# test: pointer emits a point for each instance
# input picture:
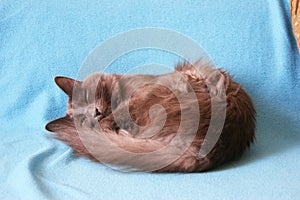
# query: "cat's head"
(88, 98)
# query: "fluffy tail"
(126, 153)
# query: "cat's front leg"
(123, 120)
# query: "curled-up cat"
(191, 120)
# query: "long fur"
(140, 143)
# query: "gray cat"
(157, 123)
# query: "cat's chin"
(60, 123)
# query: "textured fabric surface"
(253, 40)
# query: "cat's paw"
(108, 123)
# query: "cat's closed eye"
(98, 114)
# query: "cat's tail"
(121, 151)
(65, 130)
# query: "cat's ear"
(66, 84)
(61, 125)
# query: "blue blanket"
(252, 40)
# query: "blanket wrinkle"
(252, 40)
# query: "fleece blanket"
(252, 40)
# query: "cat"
(157, 123)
